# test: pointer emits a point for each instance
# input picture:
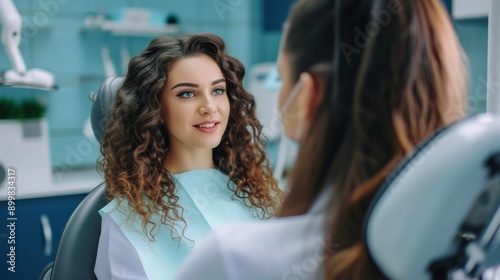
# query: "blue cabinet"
(38, 228)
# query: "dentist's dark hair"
(400, 74)
(135, 143)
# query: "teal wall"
(473, 35)
(55, 39)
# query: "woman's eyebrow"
(184, 84)
(218, 81)
(196, 85)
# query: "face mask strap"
(291, 97)
(298, 131)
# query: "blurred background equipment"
(19, 75)
(264, 84)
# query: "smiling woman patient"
(195, 113)
(182, 153)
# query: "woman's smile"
(207, 126)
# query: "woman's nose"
(208, 107)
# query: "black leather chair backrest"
(75, 257)
(102, 101)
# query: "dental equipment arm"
(11, 21)
(19, 76)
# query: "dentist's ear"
(310, 96)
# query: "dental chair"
(77, 250)
(439, 211)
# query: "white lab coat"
(285, 248)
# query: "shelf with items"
(133, 22)
(121, 29)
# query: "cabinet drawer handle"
(47, 234)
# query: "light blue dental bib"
(207, 202)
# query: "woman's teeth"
(206, 125)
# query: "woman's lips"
(207, 127)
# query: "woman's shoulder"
(120, 211)
(114, 205)
(111, 206)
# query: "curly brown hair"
(135, 143)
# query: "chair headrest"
(440, 209)
(102, 101)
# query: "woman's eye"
(219, 91)
(186, 94)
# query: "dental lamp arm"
(11, 34)
(19, 75)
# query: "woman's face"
(195, 106)
(290, 115)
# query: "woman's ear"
(311, 95)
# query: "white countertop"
(64, 182)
